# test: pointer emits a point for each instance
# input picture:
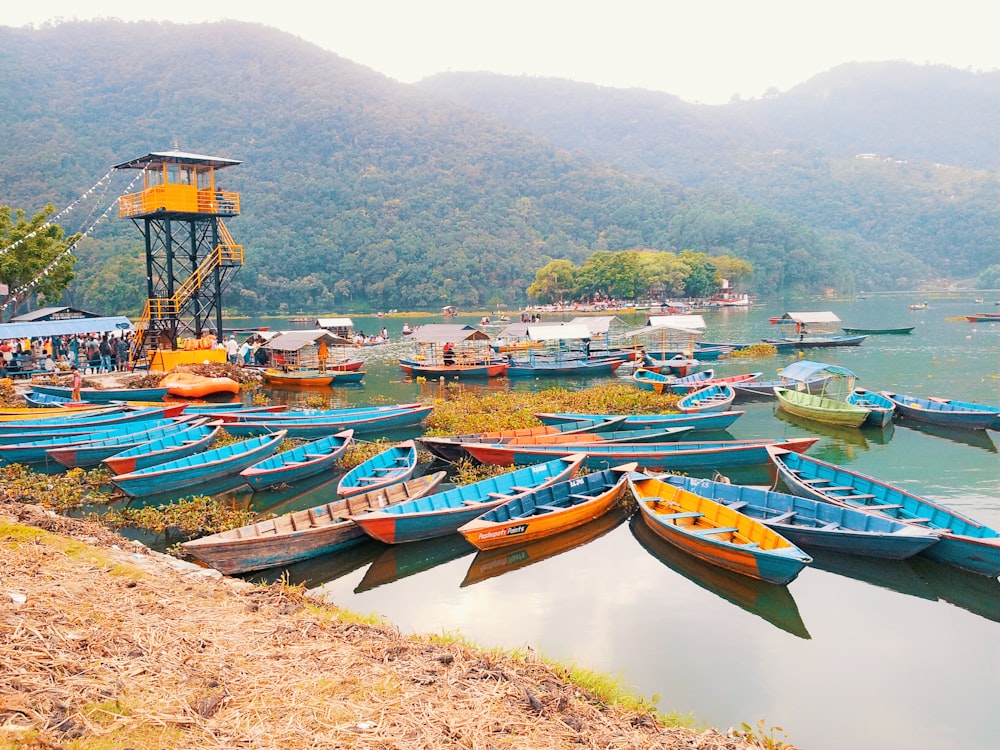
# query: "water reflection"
(490, 563)
(974, 438)
(317, 571)
(766, 600)
(848, 436)
(895, 575)
(398, 561)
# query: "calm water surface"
(851, 654)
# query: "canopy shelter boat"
(944, 412)
(302, 534)
(880, 409)
(607, 335)
(812, 524)
(315, 358)
(812, 329)
(964, 543)
(452, 351)
(565, 350)
(665, 337)
(831, 405)
(548, 510)
(444, 512)
(715, 533)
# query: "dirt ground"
(105, 644)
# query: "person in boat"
(406, 329)
(322, 355)
(260, 357)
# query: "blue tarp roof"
(804, 369)
(46, 328)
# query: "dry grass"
(106, 645)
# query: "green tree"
(703, 278)
(34, 260)
(552, 281)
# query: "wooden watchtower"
(190, 255)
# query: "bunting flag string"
(18, 294)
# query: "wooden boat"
(191, 471)
(757, 389)
(716, 534)
(487, 369)
(92, 452)
(82, 423)
(812, 524)
(167, 448)
(769, 601)
(299, 462)
(715, 397)
(919, 306)
(346, 413)
(984, 318)
(681, 386)
(880, 331)
(710, 422)
(396, 464)
(302, 534)
(548, 510)
(814, 342)
(563, 368)
(964, 543)
(443, 512)
(51, 410)
(677, 365)
(103, 395)
(190, 385)
(450, 448)
(648, 380)
(820, 408)
(682, 456)
(36, 450)
(346, 377)
(297, 379)
(455, 446)
(383, 421)
(970, 405)
(961, 414)
(880, 409)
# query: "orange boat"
(189, 385)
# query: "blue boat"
(35, 451)
(697, 422)
(964, 543)
(560, 367)
(961, 414)
(391, 466)
(191, 471)
(167, 448)
(812, 524)
(103, 395)
(717, 397)
(315, 427)
(880, 409)
(69, 421)
(714, 533)
(298, 463)
(91, 452)
(347, 413)
(682, 456)
(443, 512)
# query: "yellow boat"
(22, 413)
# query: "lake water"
(853, 653)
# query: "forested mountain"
(362, 193)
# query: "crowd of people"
(90, 353)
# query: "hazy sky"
(706, 50)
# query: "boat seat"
(294, 463)
(314, 456)
(830, 526)
(783, 517)
(750, 545)
(685, 514)
(718, 530)
(737, 505)
(370, 479)
(838, 488)
(888, 506)
(862, 496)
(818, 480)
(581, 498)
(494, 495)
(547, 508)
(522, 489)
(916, 520)
(385, 469)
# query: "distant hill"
(362, 193)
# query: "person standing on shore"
(77, 382)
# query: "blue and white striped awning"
(46, 328)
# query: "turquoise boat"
(965, 543)
(812, 524)
(315, 427)
(945, 412)
(69, 422)
(167, 448)
(711, 398)
(36, 451)
(391, 466)
(91, 452)
(298, 463)
(697, 422)
(880, 409)
(191, 471)
(102, 395)
(443, 512)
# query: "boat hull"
(103, 395)
(944, 413)
(298, 463)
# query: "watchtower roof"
(177, 157)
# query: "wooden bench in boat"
(737, 505)
(717, 530)
(863, 496)
(578, 498)
(386, 470)
(830, 526)
(684, 514)
(494, 495)
(783, 517)
(548, 508)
